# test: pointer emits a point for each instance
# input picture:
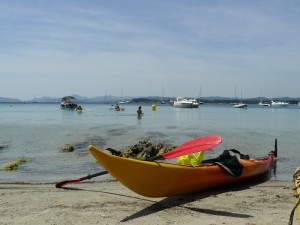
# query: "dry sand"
(111, 203)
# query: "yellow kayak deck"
(155, 179)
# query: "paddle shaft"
(90, 176)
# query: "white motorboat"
(195, 103)
(66, 103)
(182, 103)
(279, 104)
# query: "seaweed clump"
(142, 150)
(68, 148)
(13, 165)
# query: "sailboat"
(261, 103)
(235, 101)
(199, 101)
(123, 101)
(240, 105)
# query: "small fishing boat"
(158, 179)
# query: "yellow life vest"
(191, 159)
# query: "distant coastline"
(149, 99)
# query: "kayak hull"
(155, 179)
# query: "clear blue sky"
(89, 47)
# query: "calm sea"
(40, 131)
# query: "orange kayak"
(156, 179)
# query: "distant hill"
(148, 99)
(82, 99)
(10, 100)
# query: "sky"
(164, 48)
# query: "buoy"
(153, 107)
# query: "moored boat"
(157, 179)
(195, 103)
(240, 106)
(264, 104)
(66, 103)
(182, 103)
(124, 102)
(279, 104)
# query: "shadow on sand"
(180, 201)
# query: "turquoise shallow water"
(39, 132)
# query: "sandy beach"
(109, 202)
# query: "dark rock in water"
(2, 147)
(68, 148)
(82, 147)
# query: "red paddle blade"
(195, 145)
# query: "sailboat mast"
(235, 93)
(199, 95)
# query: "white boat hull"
(264, 104)
(183, 103)
(279, 104)
(240, 106)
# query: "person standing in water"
(139, 111)
(117, 107)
